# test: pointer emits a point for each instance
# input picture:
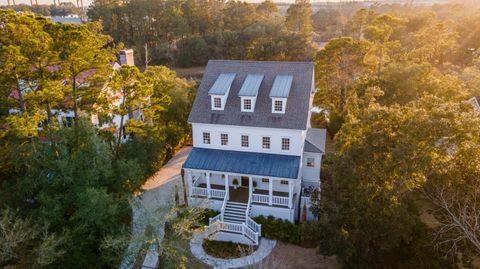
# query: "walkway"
(153, 206)
(265, 247)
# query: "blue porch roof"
(249, 163)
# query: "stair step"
(236, 203)
(237, 206)
(234, 220)
(234, 216)
(235, 209)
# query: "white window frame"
(215, 99)
(289, 143)
(243, 100)
(284, 105)
(221, 139)
(269, 142)
(312, 162)
(241, 141)
(209, 138)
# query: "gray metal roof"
(251, 85)
(281, 86)
(248, 163)
(315, 140)
(298, 105)
(222, 84)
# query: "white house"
(253, 147)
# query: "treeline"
(401, 189)
(65, 189)
(63, 9)
(189, 32)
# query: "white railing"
(280, 200)
(276, 200)
(215, 219)
(199, 191)
(224, 205)
(214, 193)
(250, 222)
(259, 198)
(254, 226)
(239, 228)
(251, 234)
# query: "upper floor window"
(278, 106)
(224, 139)
(285, 143)
(217, 102)
(310, 162)
(284, 182)
(265, 142)
(247, 104)
(265, 180)
(206, 138)
(244, 140)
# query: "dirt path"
(286, 256)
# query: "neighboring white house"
(65, 117)
(253, 147)
(475, 101)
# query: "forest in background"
(394, 80)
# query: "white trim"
(242, 174)
(289, 143)
(284, 105)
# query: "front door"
(245, 182)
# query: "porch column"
(270, 191)
(227, 189)
(208, 184)
(250, 186)
(290, 193)
(190, 182)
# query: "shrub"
(205, 215)
(304, 235)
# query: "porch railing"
(214, 193)
(260, 198)
(276, 200)
(224, 205)
(279, 200)
(197, 191)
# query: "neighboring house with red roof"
(475, 101)
(66, 116)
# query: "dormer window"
(217, 102)
(220, 89)
(279, 93)
(247, 104)
(249, 91)
(278, 106)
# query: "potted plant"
(254, 185)
(235, 183)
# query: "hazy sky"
(86, 2)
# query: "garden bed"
(227, 250)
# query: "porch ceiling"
(249, 163)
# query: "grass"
(227, 250)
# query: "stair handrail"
(249, 221)
(247, 212)
(224, 205)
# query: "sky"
(86, 2)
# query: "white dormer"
(220, 89)
(249, 92)
(279, 93)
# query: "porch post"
(290, 193)
(227, 189)
(208, 184)
(270, 191)
(250, 186)
(190, 183)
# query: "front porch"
(269, 191)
